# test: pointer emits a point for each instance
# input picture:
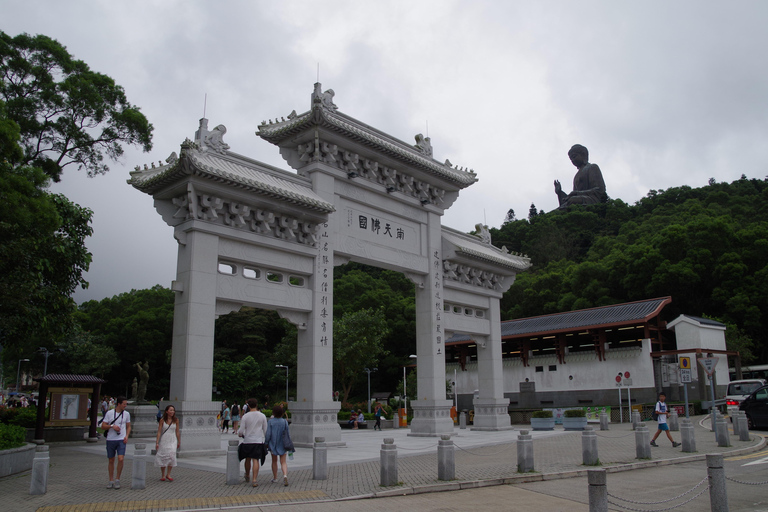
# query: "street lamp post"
(18, 374)
(286, 380)
(45, 351)
(369, 386)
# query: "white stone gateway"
(253, 235)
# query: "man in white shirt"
(662, 410)
(117, 423)
(253, 429)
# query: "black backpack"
(235, 410)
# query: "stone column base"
(143, 420)
(431, 418)
(199, 432)
(491, 414)
(315, 419)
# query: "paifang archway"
(252, 234)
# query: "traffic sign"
(709, 364)
(618, 380)
(685, 375)
(626, 375)
(685, 363)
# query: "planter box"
(16, 460)
(574, 423)
(543, 423)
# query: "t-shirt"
(253, 427)
(123, 419)
(661, 407)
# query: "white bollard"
(38, 484)
(388, 463)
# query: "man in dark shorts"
(253, 429)
(117, 423)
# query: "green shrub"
(575, 413)
(11, 436)
(541, 414)
(21, 416)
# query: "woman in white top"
(168, 441)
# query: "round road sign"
(618, 378)
(626, 375)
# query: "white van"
(738, 390)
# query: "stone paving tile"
(77, 480)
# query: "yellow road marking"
(138, 505)
(750, 456)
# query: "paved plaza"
(78, 472)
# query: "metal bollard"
(233, 463)
(463, 420)
(524, 452)
(320, 459)
(642, 442)
(603, 420)
(723, 437)
(718, 494)
(446, 458)
(743, 427)
(388, 462)
(139, 468)
(589, 447)
(598, 491)
(38, 484)
(395, 420)
(672, 420)
(687, 435)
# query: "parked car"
(738, 391)
(756, 407)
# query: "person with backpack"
(235, 410)
(660, 413)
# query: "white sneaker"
(274, 480)
(117, 484)
(111, 484)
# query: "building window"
(553, 367)
(227, 268)
(274, 277)
(539, 368)
(251, 273)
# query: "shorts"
(235, 418)
(663, 426)
(115, 447)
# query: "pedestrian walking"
(253, 429)
(167, 442)
(226, 416)
(379, 414)
(235, 410)
(662, 410)
(117, 424)
(277, 428)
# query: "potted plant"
(542, 420)
(574, 419)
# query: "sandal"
(254, 484)
(162, 479)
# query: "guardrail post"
(642, 442)
(603, 420)
(723, 437)
(672, 420)
(687, 435)
(589, 447)
(395, 420)
(718, 494)
(233, 463)
(388, 462)
(735, 423)
(598, 490)
(524, 452)
(463, 420)
(139, 467)
(320, 459)
(743, 427)
(38, 484)
(446, 458)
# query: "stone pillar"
(672, 420)
(194, 315)
(463, 420)
(446, 459)
(314, 413)
(524, 452)
(431, 412)
(687, 435)
(143, 420)
(589, 447)
(38, 483)
(395, 420)
(604, 420)
(718, 493)
(139, 467)
(388, 462)
(233, 463)
(320, 459)
(491, 408)
(642, 442)
(636, 420)
(735, 422)
(723, 437)
(743, 427)
(598, 490)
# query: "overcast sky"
(662, 94)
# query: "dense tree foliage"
(705, 247)
(357, 344)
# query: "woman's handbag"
(287, 443)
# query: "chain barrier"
(662, 501)
(477, 454)
(659, 509)
(614, 437)
(746, 483)
(416, 449)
